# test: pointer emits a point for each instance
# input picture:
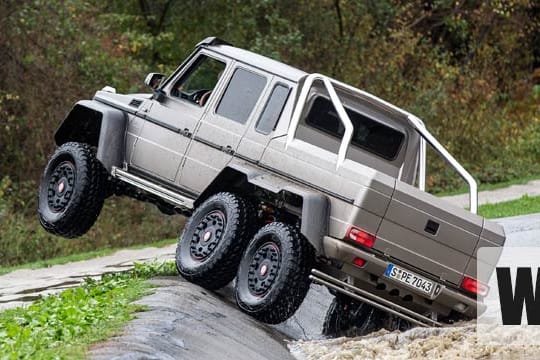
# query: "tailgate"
(429, 233)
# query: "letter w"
(512, 302)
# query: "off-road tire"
(394, 322)
(288, 258)
(71, 212)
(350, 318)
(214, 265)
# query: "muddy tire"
(72, 190)
(347, 317)
(393, 323)
(213, 240)
(272, 279)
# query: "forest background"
(469, 69)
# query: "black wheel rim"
(264, 268)
(61, 186)
(207, 235)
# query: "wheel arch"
(98, 125)
(315, 206)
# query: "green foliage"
(524, 205)
(22, 240)
(63, 325)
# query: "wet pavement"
(185, 321)
(22, 286)
(532, 188)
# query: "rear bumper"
(371, 278)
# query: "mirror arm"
(158, 95)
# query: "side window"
(272, 110)
(197, 84)
(241, 95)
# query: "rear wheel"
(72, 190)
(272, 279)
(211, 245)
(347, 317)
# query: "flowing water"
(420, 343)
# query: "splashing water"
(418, 343)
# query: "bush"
(123, 222)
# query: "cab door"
(170, 123)
(261, 130)
(223, 126)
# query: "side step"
(371, 299)
(148, 186)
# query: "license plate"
(408, 278)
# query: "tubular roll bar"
(347, 136)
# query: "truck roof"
(262, 62)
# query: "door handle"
(186, 132)
(432, 227)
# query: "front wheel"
(273, 277)
(72, 190)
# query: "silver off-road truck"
(288, 178)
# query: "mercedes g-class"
(286, 177)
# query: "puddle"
(84, 276)
(119, 266)
(21, 299)
(61, 285)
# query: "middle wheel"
(211, 245)
(273, 277)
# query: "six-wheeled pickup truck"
(287, 178)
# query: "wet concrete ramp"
(184, 321)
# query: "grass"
(522, 206)
(486, 187)
(82, 256)
(62, 326)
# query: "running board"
(371, 299)
(148, 186)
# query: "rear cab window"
(273, 108)
(369, 135)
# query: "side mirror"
(153, 80)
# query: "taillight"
(359, 262)
(361, 237)
(474, 286)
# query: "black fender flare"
(315, 206)
(99, 125)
